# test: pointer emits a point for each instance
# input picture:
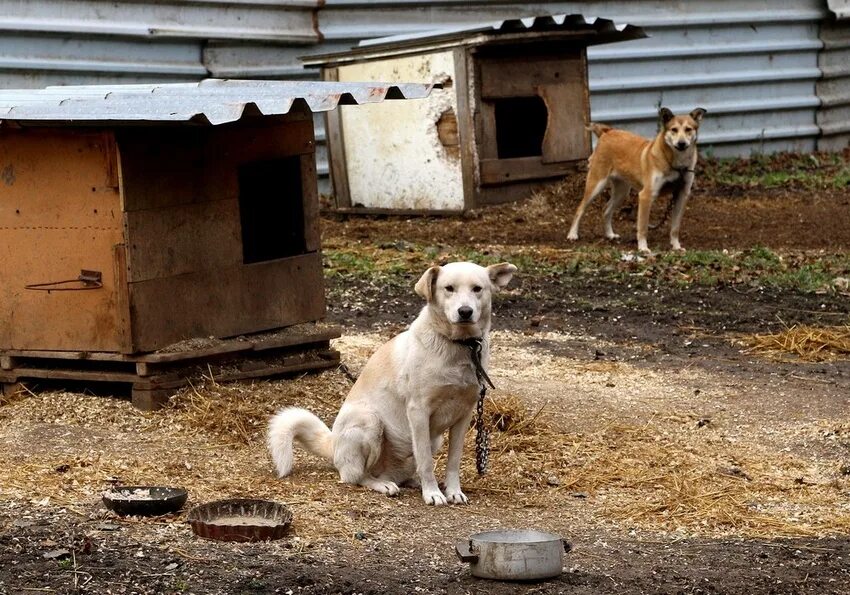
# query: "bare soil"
(594, 351)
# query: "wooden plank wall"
(59, 213)
(185, 268)
(560, 80)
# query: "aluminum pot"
(509, 555)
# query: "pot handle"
(568, 547)
(464, 551)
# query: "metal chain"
(482, 437)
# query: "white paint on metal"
(394, 156)
(841, 8)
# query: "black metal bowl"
(144, 500)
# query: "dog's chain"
(482, 437)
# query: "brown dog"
(625, 160)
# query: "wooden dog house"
(143, 226)
(512, 112)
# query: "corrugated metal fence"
(772, 75)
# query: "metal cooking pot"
(514, 555)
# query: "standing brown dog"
(625, 160)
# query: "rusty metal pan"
(240, 520)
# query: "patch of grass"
(758, 266)
(780, 170)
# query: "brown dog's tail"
(599, 129)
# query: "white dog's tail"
(292, 424)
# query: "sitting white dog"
(414, 388)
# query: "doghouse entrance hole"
(520, 126)
(271, 209)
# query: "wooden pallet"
(154, 377)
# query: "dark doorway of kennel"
(271, 209)
(520, 126)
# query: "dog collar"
(474, 344)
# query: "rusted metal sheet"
(211, 101)
(59, 215)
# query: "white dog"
(414, 388)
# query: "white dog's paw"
(434, 497)
(457, 497)
(573, 235)
(387, 488)
(612, 236)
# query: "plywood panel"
(227, 301)
(193, 237)
(506, 171)
(59, 213)
(520, 76)
(566, 138)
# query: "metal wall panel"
(834, 88)
(59, 42)
(289, 21)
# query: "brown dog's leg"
(593, 187)
(645, 200)
(679, 211)
(619, 191)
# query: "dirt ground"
(674, 460)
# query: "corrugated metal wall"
(54, 42)
(756, 65)
(833, 88)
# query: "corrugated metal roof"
(213, 101)
(601, 30)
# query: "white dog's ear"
(425, 285)
(501, 274)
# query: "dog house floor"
(154, 377)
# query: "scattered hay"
(668, 475)
(240, 412)
(679, 479)
(809, 343)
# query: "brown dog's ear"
(665, 115)
(425, 285)
(698, 113)
(501, 274)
